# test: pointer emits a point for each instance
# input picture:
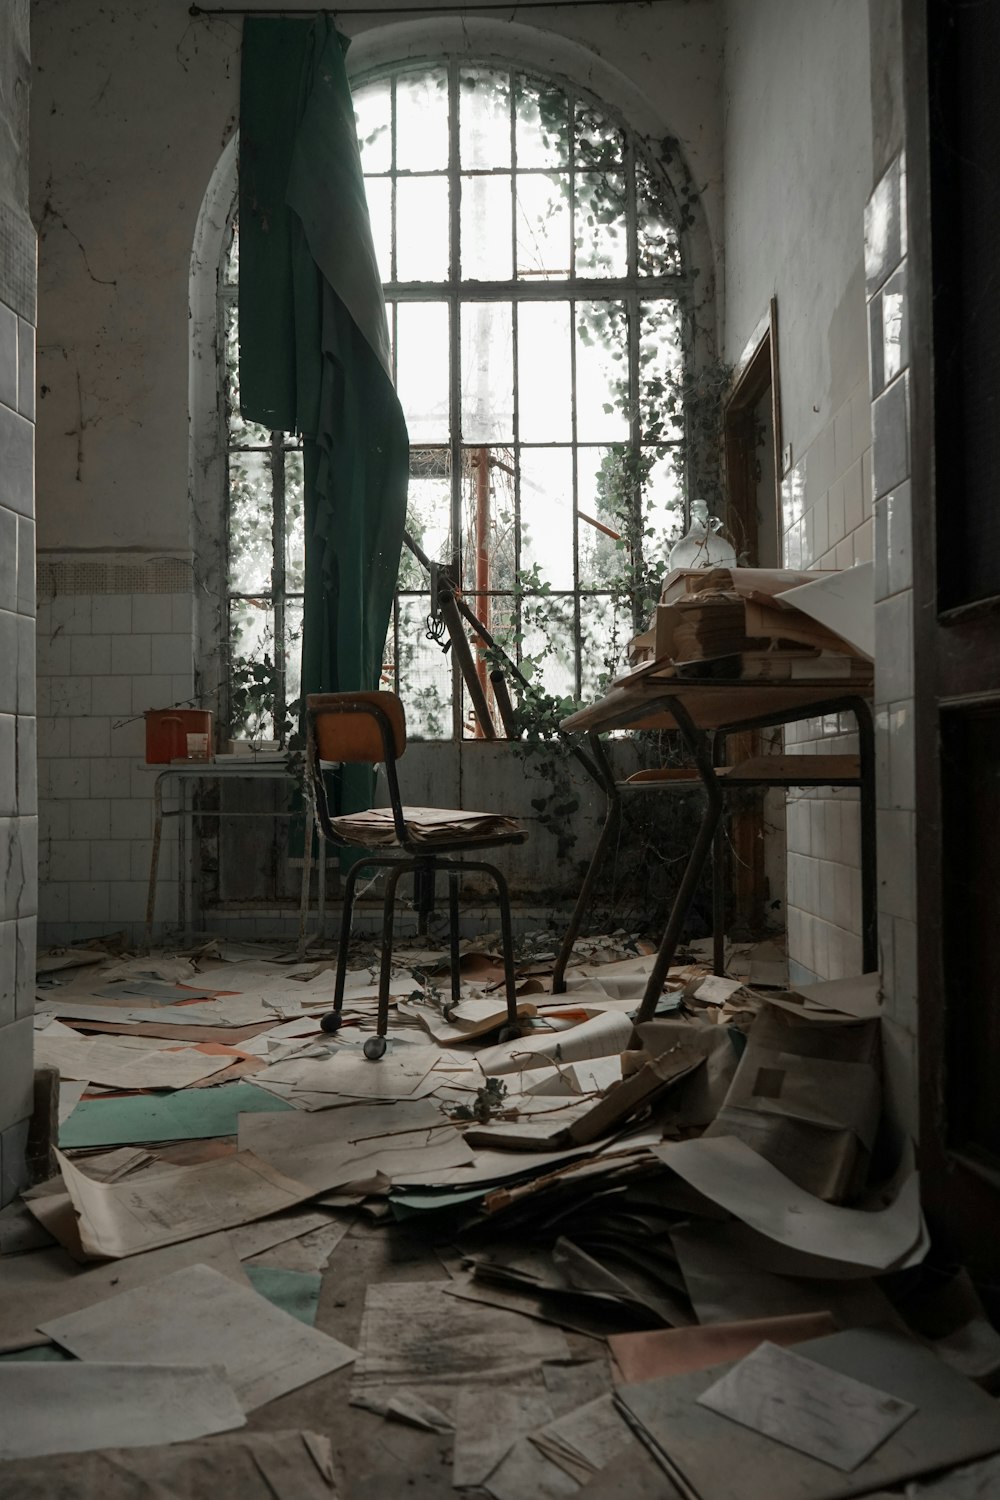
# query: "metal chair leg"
(454, 879)
(511, 1028)
(375, 1045)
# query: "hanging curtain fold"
(314, 348)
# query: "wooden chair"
(359, 728)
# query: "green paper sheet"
(186, 1115)
(295, 1292)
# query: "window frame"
(674, 289)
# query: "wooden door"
(953, 170)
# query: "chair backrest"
(356, 728)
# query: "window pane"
(484, 118)
(231, 257)
(428, 514)
(423, 672)
(542, 124)
(605, 631)
(293, 656)
(659, 371)
(489, 543)
(250, 530)
(422, 121)
(547, 515)
(251, 685)
(487, 372)
(371, 116)
(659, 247)
(662, 502)
(241, 433)
(543, 372)
(378, 191)
(486, 232)
(598, 143)
(543, 222)
(422, 229)
(548, 650)
(422, 369)
(602, 383)
(600, 239)
(295, 523)
(604, 496)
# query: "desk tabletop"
(642, 701)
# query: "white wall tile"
(8, 972)
(109, 858)
(182, 613)
(70, 696)
(53, 901)
(54, 655)
(26, 369)
(131, 818)
(111, 776)
(67, 859)
(90, 902)
(152, 613)
(151, 692)
(112, 614)
(8, 765)
(896, 859)
(90, 736)
(25, 565)
(129, 738)
(27, 765)
(130, 655)
(8, 356)
(90, 818)
(894, 648)
(172, 653)
(17, 1076)
(69, 614)
(111, 696)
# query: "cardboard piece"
(197, 1314)
(675, 1351)
(71, 1407)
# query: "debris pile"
(653, 1257)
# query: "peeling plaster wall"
(18, 800)
(798, 172)
(134, 102)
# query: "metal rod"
(501, 697)
(481, 463)
(463, 655)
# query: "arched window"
(531, 256)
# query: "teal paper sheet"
(185, 1115)
(295, 1292)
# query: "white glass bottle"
(702, 546)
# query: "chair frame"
(422, 862)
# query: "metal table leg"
(869, 871)
(605, 779)
(698, 743)
(154, 857)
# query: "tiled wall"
(885, 268)
(103, 658)
(827, 521)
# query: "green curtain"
(314, 349)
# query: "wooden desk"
(704, 709)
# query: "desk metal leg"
(720, 851)
(612, 822)
(869, 873)
(182, 860)
(307, 843)
(154, 858)
(697, 742)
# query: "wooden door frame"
(756, 370)
(960, 1191)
